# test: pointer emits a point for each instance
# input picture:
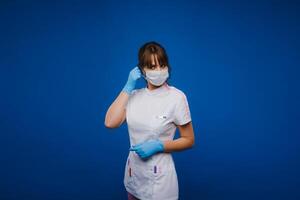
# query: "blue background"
(64, 62)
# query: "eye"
(151, 67)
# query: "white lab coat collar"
(164, 88)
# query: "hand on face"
(133, 76)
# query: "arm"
(150, 147)
(185, 141)
(116, 113)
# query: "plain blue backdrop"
(64, 62)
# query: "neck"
(153, 87)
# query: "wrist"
(161, 146)
(128, 88)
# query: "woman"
(152, 114)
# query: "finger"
(143, 156)
(138, 145)
(140, 154)
(138, 76)
(135, 147)
(136, 69)
(138, 73)
(132, 149)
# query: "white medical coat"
(154, 114)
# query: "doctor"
(152, 114)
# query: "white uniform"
(154, 114)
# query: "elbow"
(192, 143)
(109, 125)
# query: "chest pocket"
(160, 124)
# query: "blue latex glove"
(134, 75)
(148, 148)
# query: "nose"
(158, 67)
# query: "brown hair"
(149, 49)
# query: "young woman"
(152, 114)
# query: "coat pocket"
(142, 181)
(165, 182)
(128, 179)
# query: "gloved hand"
(134, 75)
(148, 148)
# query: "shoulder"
(134, 97)
(177, 93)
(136, 93)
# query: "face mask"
(157, 78)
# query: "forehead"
(154, 59)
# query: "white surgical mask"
(157, 78)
